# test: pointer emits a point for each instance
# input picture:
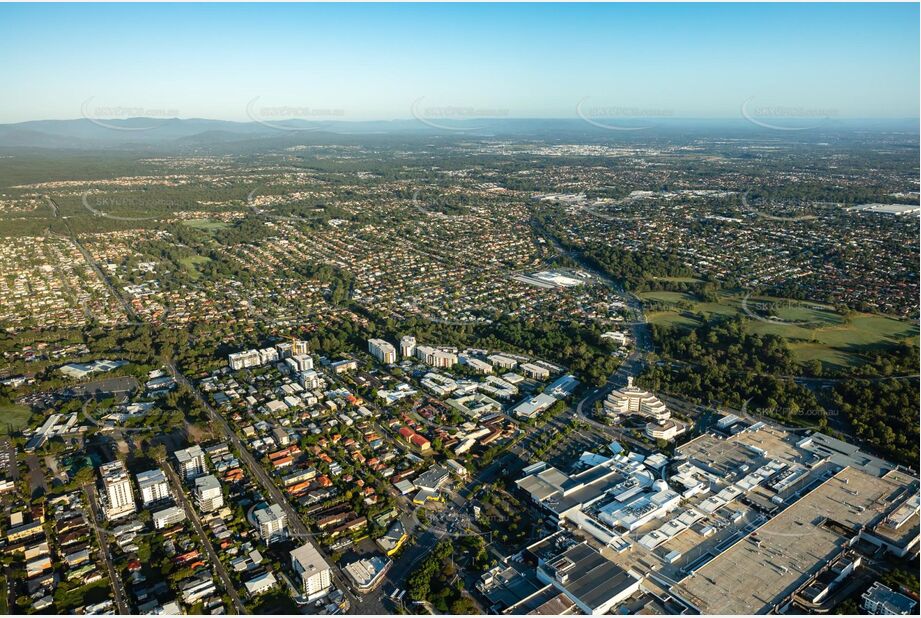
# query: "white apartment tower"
(118, 492)
(382, 351)
(407, 346)
(208, 493)
(312, 569)
(191, 462)
(272, 523)
(153, 485)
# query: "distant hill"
(183, 133)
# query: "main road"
(295, 523)
(255, 468)
(95, 516)
(639, 330)
(192, 516)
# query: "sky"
(388, 61)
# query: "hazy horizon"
(382, 62)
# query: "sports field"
(205, 224)
(13, 416)
(190, 264)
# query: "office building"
(665, 430)
(634, 400)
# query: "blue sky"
(373, 61)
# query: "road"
(295, 523)
(255, 468)
(129, 310)
(95, 516)
(639, 330)
(192, 515)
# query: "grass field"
(813, 331)
(205, 224)
(13, 415)
(190, 264)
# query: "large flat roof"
(592, 578)
(751, 579)
(309, 558)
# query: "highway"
(95, 516)
(192, 515)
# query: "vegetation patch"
(206, 224)
(12, 416)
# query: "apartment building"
(208, 493)
(168, 517)
(273, 524)
(119, 496)
(153, 486)
(312, 569)
(407, 346)
(382, 351)
(191, 462)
